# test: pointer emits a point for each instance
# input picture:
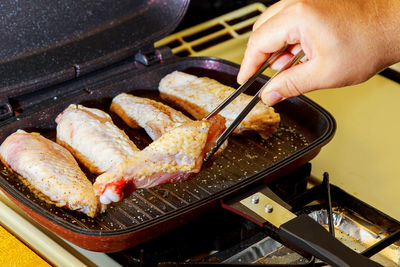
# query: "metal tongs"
(228, 131)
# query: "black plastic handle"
(305, 234)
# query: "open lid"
(44, 42)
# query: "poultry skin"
(139, 112)
(174, 157)
(50, 171)
(91, 136)
(199, 96)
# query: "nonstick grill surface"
(304, 128)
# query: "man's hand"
(345, 41)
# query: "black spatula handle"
(307, 235)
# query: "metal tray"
(305, 127)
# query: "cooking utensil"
(228, 131)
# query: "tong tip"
(209, 156)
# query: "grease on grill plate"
(244, 157)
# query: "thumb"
(295, 81)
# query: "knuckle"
(299, 7)
(291, 87)
(253, 40)
(255, 25)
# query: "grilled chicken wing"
(139, 112)
(199, 96)
(50, 171)
(93, 139)
(176, 156)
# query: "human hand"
(345, 41)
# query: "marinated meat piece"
(93, 139)
(50, 171)
(175, 157)
(139, 112)
(199, 96)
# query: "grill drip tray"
(223, 237)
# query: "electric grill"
(33, 100)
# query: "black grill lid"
(46, 42)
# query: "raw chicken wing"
(50, 171)
(199, 96)
(176, 156)
(139, 112)
(93, 139)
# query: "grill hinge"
(152, 57)
(6, 110)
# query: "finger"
(269, 13)
(297, 80)
(268, 38)
(281, 61)
(294, 49)
(251, 62)
(285, 57)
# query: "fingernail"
(239, 79)
(271, 98)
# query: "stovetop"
(226, 238)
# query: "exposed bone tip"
(104, 200)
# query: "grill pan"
(305, 127)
